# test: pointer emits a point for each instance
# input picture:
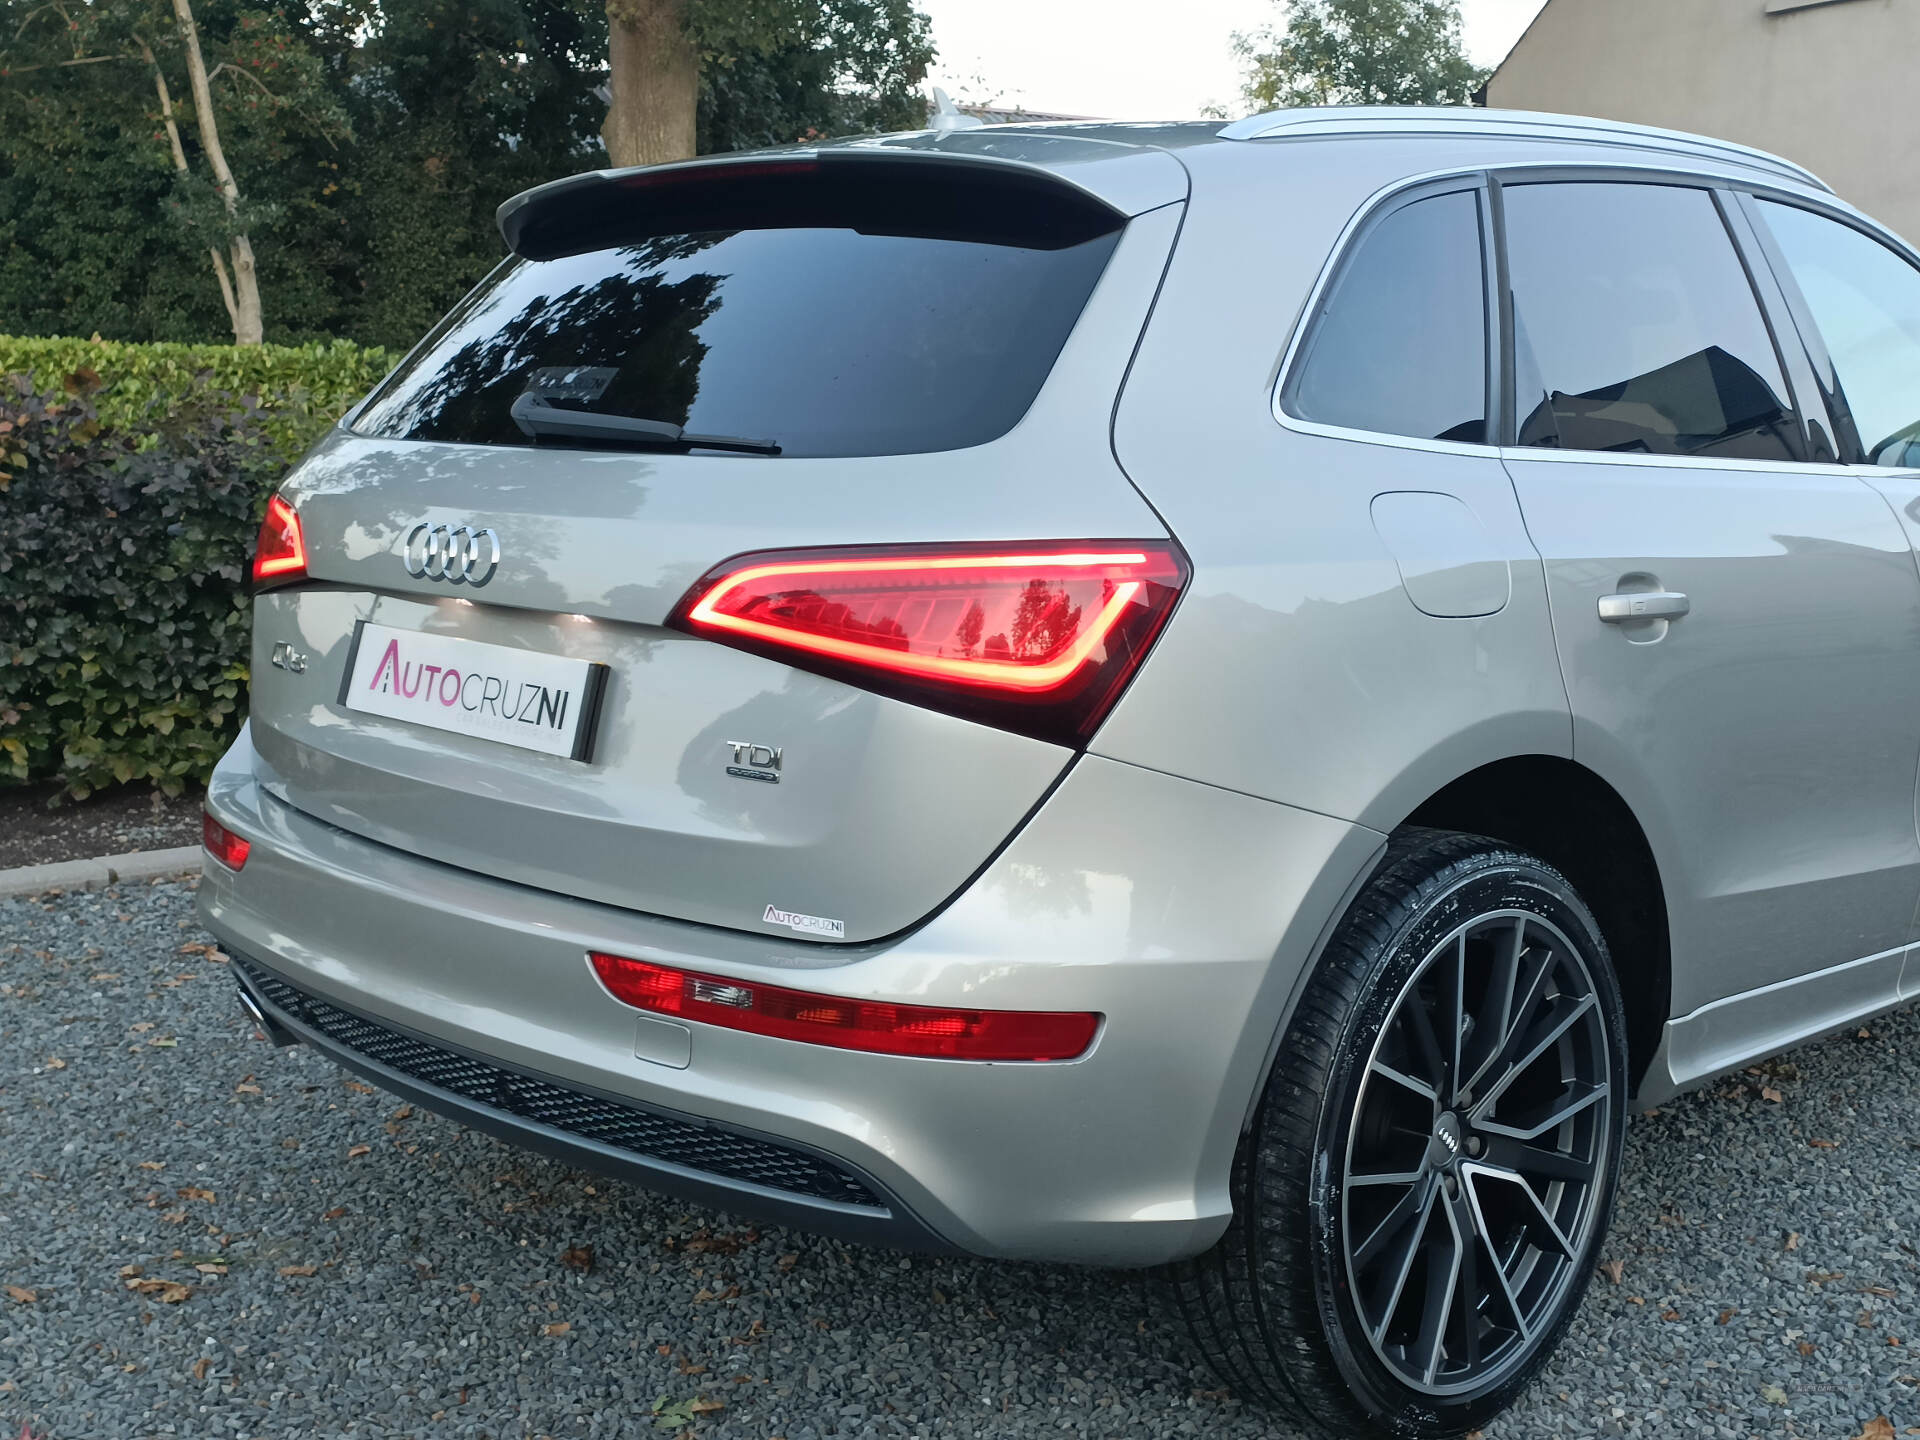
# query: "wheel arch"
(1574, 820)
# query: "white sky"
(1133, 59)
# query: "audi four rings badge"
(457, 554)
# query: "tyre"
(1421, 1196)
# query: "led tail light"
(884, 1029)
(1036, 638)
(280, 554)
(225, 846)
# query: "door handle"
(1644, 605)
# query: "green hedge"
(132, 480)
(301, 388)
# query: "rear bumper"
(1183, 913)
(677, 1154)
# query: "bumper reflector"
(881, 1028)
(225, 846)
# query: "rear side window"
(826, 341)
(1400, 344)
(1866, 300)
(1636, 328)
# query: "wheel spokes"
(1578, 1097)
(1494, 1061)
(1394, 1276)
(1443, 1283)
(1507, 1153)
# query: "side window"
(1866, 300)
(1636, 328)
(1400, 343)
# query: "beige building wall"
(1832, 84)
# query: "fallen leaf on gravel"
(126, 1270)
(706, 1407)
(165, 1291)
(211, 1269)
(1773, 1395)
(1806, 1347)
(194, 1192)
(1793, 1240)
(56, 1063)
(405, 1112)
(1882, 1291)
(1767, 1092)
(358, 1088)
(141, 1028)
(1878, 1428)
(22, 1294)
(290, 1270)
(335, 1213)
(355, 1152)
(557, 1328)
(1612, 1269)
(1635, 1300)
(578, 1257)
(245, 1089)
(1824, 1144)
(201, 1366)
(153, 1164)
(167, 1044)
(1669, 1314)
(1727, 1314)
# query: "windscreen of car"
(1400, 345)
(1866, 300)
(826, 341)
(1636, 328)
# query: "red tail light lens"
(883, 1029)
(280, 555)
(225, 846)
(1040, 639)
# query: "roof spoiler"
(876, 190)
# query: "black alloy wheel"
(1420, 1198)
(1476, 1152)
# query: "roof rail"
(1521, 124)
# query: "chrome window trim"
(1596, 170)
(1647, 461)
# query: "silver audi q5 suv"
(1217, 697)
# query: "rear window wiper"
(540, 418)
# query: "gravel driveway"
(202, 1236)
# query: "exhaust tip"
(255, 1012)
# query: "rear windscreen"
(824, 341)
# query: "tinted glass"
(827, 341)
(1401, 342)
(1636, 329)
(1866, 300)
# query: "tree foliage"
(1360, 52)
(839, 67)
(372, 141)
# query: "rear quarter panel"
(1297, 667)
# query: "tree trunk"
(180, 164)
(246, 286)
(654, 79)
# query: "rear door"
(1856, 298)
(866, 359)
(1737, 626)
